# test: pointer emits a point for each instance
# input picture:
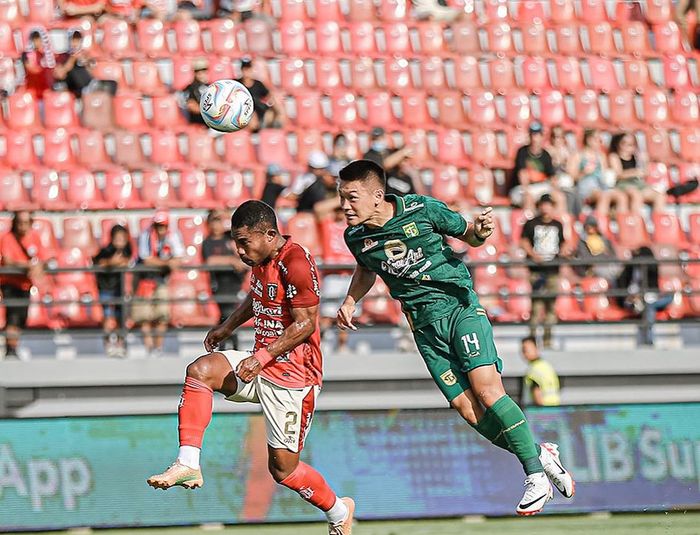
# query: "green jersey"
(411, 255)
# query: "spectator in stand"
(629, 167)
(683, 8)
(268, 112)
(535, 173)
(559, 150)
(436, 10)
(73, 67)
(401, 178)
(242, 10)
(275, 184)
(124, 9)
(39, 63)
(541, 382)
(194, 91)
(316, 190)
(543, 241)
(82, 8)
(162, 248)
(21, 249)
(217, 250)
(588, 169)
(340, 156)
(594, 246)
(117, 254)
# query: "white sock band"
(338, 512)
(189, 456)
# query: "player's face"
(359, 200)
(253, 246)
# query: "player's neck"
(281, 241)
(384, 212)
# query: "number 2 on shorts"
(291, 422)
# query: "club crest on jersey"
(271, 291)
(448, 378)
(411, 230)
(369, 244)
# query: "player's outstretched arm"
(303, 326)
(481, 229)
(362, 282)
(237, 318)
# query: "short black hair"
(254, 214)
(76, 35)
(363, 171)
(34, 35)
(529, 339)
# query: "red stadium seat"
(41, 11)
(193, 230)
(44, 228)
(676, 72)
(91, 150)
(146, 78)
(57, 149)
(239, 150)
(292, 75)
(230, 189)
(194, 190)
(396, 39)
(586, 106)
(658, 145)
(484, 149)
(292, 10)
(19, 150)
(303, 229)
(602, 74)
(567, 306)
(451, 148)
(164, 149)
(77, 232)
(501, 75)
(517, 301)
(378, 104)
(378, 307)
(658, 11)
(467, 77)
(157, 190)
(568, 74)
(482, 108)
(309, 113)
(82, 191)
(188, 38)
(109, 70)
(307, 142)
(292, 38)
(328, 39)
(517, 108)
(446, 185)
(272, 148)
(116, 38)
(120, 191)
(222, 33)
(22, 112)
(535, 77)
(201, 151)
(636, 75)
(499, 38)
(335, 251)
(59, 110)
(655, 105)
(432, 75)
(690, 144)
(220, 68)
(561, 11)
(415, 110)
(531, 12)
(97, 111)
(167, 114)
(362, 41)
(465, 39)
(47, 191)
(534, 40)
(486, 272)
(694, 228)
(515, 138)
(392, 10)
(450, 110)
(668, 231)
(667, 38)
(567, 40)
(361, 10)
(592, 11)
(191, 308)
(344, 110)
(128, 112)
(327, 10)
(397, 74)
(622, 111)
(258, 37)
(182, 73)
(418, 141)
(684, 107)
(657, 176)
(362, 75)
(494, 10)
(74, 303)
(8, 78)
(14, 196)
(480, 188)
(600, 39)
(634, 38)
(430, 38)
(328, 76)
(596, 302)
(151, 37)
(7, 42)
(9, 11)
(632, 232)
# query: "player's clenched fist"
(484, 224)
(248, 369)
(344, 316)
(214, 337)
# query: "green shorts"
(456, 344)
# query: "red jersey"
(12, 251)
(290, 280)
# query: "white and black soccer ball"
(226, 106)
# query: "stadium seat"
(396, 39)
(328, 39)
(303, 229)
(8, 77)
(690, 144)
(182, 74)
(307, 141)
(531, 12)
(667, 37)
(327, 10)
(500, 41)
(446, 185)
(328, 76)
(397, 75)
(22, 112)
(517, 300)
(517, 108)
(57, 149)
(450, 148)
(600, 39)
(7, 42)
(222, 36)
(77, 232)
(97, 111)
(392, 10)
(636, 75)
(658, 11)
(292, 10)
(91, 150)
(568, 74)
(567, 307)
(189, 307)
(335, 251)
(194, 191)
(361, 10)
(292, 38)
(432, 75)
(116, 38)
(59, 110)
(655, 106)
(586, 108)
(482, 108)
(684, 107)
(201, 151)
(484, 150)
(567, 40)
(167, 114)
(561, 11)
(596, 302)
(378, 109)
(534, 40)
(75, 257)
(362, 40)
(272, 148)
(82, 190)
(164, 149)
(657, 176)
(151, 37)
(19, 150)
(258, 37)
(362, 75)
(128, 151)
(157, 190)
(344, 110)
(632, 232)
(667, 230)
(146, 78)
(694, 228)
(465, 39)
(292, 75)
(230, 189)
(602, 74)
(501, 75)
(188, 38)
(128, 113)
(514, 139)
(44, 228)
(47, 191)
(309, 113)
(417, 139)
(677, 309)
(193, 230)
(41, 11)
(415, 110)
(450, 111)
(378, 307)
(658, 145)
(534, 74)
(622, 111)
(634, 38)
(430, 39)
(239, 151)
(14, 195)
(552, 108)
(109, 70)
(120, 192)
(466, 73)
(481, 189)
(676, 72)
(485, 271)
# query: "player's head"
(254, 229)
(362, 184)
(529, 348)
(21, 223)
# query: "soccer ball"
(226, 106)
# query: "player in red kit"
(283, 373)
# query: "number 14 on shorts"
(471, 344)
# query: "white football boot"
(557, 474)
(538, 491)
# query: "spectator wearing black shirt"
(397, 182)
(543, 241)
(73, 67)
(268, 113)
(275, 184)
(193, 92)
(316, 190)
(117, 254)
(534, 173)
(217, 250)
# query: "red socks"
(311, 486)
(194, 413)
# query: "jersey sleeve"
(302, 283)
(444, 220)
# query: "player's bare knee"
(201, 369)
(488, 395)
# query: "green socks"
(504, 424)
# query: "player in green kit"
(402, 239)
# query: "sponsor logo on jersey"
(395, 249)
(369, 244)
(448, 378)
(271, 291)
(413, 206)
(291, 291)
(260, 309)
(256, 286)
(400, 259)
(411, 230)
